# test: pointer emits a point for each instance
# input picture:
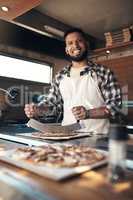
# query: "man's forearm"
(98, 113)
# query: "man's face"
(76, 47)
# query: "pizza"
(53, 134)
(59, 155)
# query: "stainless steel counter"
(15, 181)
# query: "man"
(84, 91)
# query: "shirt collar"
(89, 68)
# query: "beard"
(79, 57)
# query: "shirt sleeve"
(54, 99)
(111, 92)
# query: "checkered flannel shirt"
(108, 85)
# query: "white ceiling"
(95, 17)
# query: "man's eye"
(70, 43)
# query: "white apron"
(83, 91)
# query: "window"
(25, 70)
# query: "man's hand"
(79, 112)
(32, 110)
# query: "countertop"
(17, 183)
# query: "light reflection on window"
(26, 70)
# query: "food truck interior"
(33, 31)
(32, 51)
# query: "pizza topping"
(59, 155)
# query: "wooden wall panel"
(123, 68)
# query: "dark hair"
(73, 30)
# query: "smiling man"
(83, 91)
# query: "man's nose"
(76, 44)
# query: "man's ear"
(88, 44)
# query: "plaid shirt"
(108, 85)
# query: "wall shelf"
(114, 47)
